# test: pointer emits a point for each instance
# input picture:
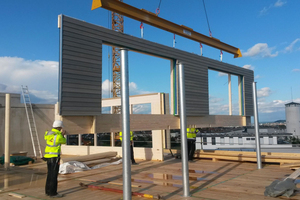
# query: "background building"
(292, 112)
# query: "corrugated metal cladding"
(80, 71)
(195, 66)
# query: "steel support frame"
(256, 124)
(183, 127)
(7, 131)
(125, 126)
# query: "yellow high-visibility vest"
(54, 139)
(131, 136)
(191, 133)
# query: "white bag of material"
(72, 167)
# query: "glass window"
(103, 139)
(222, 140)
(270, 140)
(204, 140)
(72, 139)
(87, 139)
(213, 141)
(261, 140)
(231, 140)
(240, 140)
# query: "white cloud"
(265, 10)
(213, 99)
(222, 74)
(248, 67)
(264, 92)
(296, 70)
(273, 106)
(217, 106)
(39, 75)
(142, 108)
(291, 46)
(257, 77)
(133, 89)
(279, 3)
(106, 89)
(260, 50)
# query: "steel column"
(229, 94)
(257, 138)
(125, 126)
(7, 127)
(184, 149)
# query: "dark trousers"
(191, 148)
(131, 153)
(51, 183)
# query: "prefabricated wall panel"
(80, 71)
(195, 66)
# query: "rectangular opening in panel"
(225, 97)
(141, 108)
(106, 110)
(218, 93)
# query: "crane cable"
(157, 11)
(210, 34)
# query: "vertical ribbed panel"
(80, 71)
(195, 66)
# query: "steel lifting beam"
(152, 19)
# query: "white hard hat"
(57, 123)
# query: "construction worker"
(131, 147)
(54, 139)
(191, 139)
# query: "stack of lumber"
(92, 159)
(266, 157)
(295, 165)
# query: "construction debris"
(18, 160)
(120, 183)
(120, 191)
(16, 195)
(75, 166)
(285, 187)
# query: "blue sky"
(267, 32)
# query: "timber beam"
(152, 19)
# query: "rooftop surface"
(208, 180)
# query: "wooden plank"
(20, 196)
(93, 162)
(297, 155)
(246, 158)
(90, 157)
(291, 165)
(120, 183)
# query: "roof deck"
(208, 180)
